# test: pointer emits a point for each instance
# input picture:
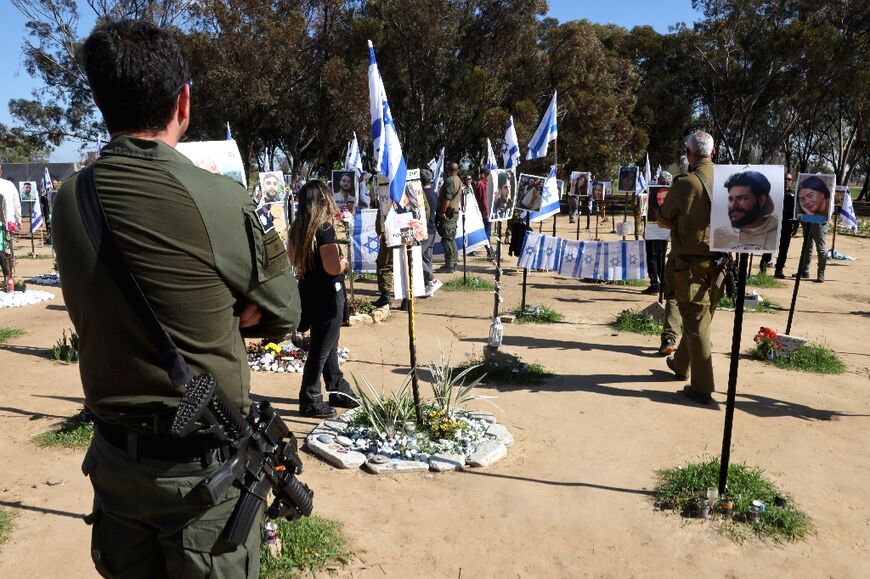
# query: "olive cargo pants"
(673, 321)
(447, 231)
(148, 524)
(698, 290)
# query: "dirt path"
(572, 498)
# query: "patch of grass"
(473, 284)
(631, 282)
(66, 351)
(7, 334)
(360, 306)
(637, 322)
(678, 489)
(536, 315)
(365, 276)
(490, 373)
(309, 545)
(810, 358)
(765, 307)
(19, 255)
(7, 521)
(763, 280)
(74, 432)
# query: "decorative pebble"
(26, 298)
(325, 438)
(344, 441)
(50, 279)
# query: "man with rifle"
(165, 269)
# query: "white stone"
(344, 441)
(26, 298)
(487, 453)
(378, 316)
(396, 466)
(334, 453)
(482, 415)
(790, 343)
(446, 462)
(656, 311)
(507, 318)
(360, 320)
(500, 433)
(752, 300)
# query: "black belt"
(190, 449)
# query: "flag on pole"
(547, 131)
(510, 150)
(229, 133)
(366, 241)
(847, 211)
(643, 178)
(438, 171)
(491, 163)
(551, 198)
(658, 174)
(36, 206)
(353, 160)
(476, 237)
(388, 151)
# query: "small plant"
(767, 345)
(365, 276)
(488, 373)
(629, 282)
(360, 306)
(536, 315)
(7, 521)
(679, 488)
(7, 334)
(20, 286)
(440, 424)
(637, 322)
(473, 284)
(67, 351)
(451, 391)
(810, 358)
(385, 413)
(764, 307)
(763, 280)
(308, 545)
(74, 432)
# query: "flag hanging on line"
(366, 241)
(473, 222)
(491, 163)
(547, 131)
(510, 150)
(847, 211)
(604, 260)
(353, 159)
(541, 252)
(387, 149)
(643, 178)
(550, 203)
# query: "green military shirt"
(450, 191)
(686, 211)
(194, 244)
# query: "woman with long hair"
(319, 264)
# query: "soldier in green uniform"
(698, 282)
(449, 199)
(211, 274)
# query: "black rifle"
(264, 457)
(727, 267)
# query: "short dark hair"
(816, 184)
(757, 182)
(136, 71)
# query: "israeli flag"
(530, 250)
(473, 222)
(607, 261)
(491, 163)
(388, 151)
(353, 159)
(550, 202)
(510, 150)
(847, 212)
(366, 241)
(229, 134)
(643, 178)
(547, 131)
(438, 171)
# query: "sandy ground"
(572, 498)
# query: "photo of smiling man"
(749, 197)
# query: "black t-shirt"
(320, 291)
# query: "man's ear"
(182, 112)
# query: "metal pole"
(496, 293)
(578, 219)
(350, 256)
(525, 275)
(612, 211)
(412, 335)
(805, 250)
(464, 241)
(732, 373)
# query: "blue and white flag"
(847, 211)
(541, 252)
(491, 163)
(388, 159)
(438, 171)
(510, 149)
(530, 250)
(600, 260)
(547, 131)
(36, 220)
(551, 198)
(473, 222)
(353, 159)
(229, 134)
(643, 178)
(366, 241)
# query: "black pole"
(834, 240)
(412, 334)
(732, 373)
(749, 271)
(578, 221)
(663, 265)
(497, 292)
(525, 274)
(805, 250)
(624, 214)
(588, 218)
(597, 219)
(554, 224)
(464, 242)
(612, 214)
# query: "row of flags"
(599, 260)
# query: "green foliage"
(67, 351)
(7, 334)
(473, 284)
(449, 387)
(490, 373)
(678, 488)
(863, 228)
(74, 432)
(763, 280)
(637, 322)
(536, 315)
(765, 307)
(308, 545)
(630, 282)
(365, 276)
(7, 522)
(360, 306)
(385, 413)
(810, 358)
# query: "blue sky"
(16, 83)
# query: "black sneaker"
(382, 302)
(342, 400)
(404, 305)
(697, 397)
(801, 275)
(651, 290)
(779, 274)
(446, 269)
(318, 410)
(667, 348)
(672, 366)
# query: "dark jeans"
(323, 359)
(655, 254)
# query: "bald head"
(453, 168)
